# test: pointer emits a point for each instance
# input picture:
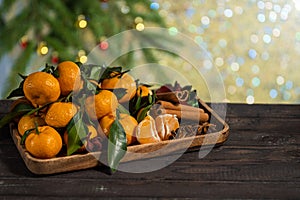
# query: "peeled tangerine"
(146, 131)
(162, 128)
(166, 125)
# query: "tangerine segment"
(29, 122)
(44, 143)
(60, 114)
(101, 104)
(125, 81)
(146, 131)
(69, 77)
(41, 88)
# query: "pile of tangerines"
(47, 128)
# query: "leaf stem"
(36, 127)
(44, 106)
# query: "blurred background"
(254, 44)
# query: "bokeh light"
(250, 99)
(255, 44)
(154, 6)
(255, 81)
(273, 93)
(239, 82)
(140, 27)
(280, 80)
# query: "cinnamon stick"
(171, 106)
(185, 114)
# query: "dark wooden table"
(260, 160)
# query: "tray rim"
(88, 160)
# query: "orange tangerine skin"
(28, 122)
(125, 81)
(60, 113)
(106, 122)
(101, 104)
(41, 88)
(143, 91)
(128, 123)
(93, 133)
(69, 77)
(45, 144)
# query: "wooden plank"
(153, 189)
(264, 110)
(226, 163)
(188, 177)
(264, 131)
(283, 124)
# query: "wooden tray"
(136, 152)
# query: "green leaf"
(77, 131)
(19, 110)
(22, 107)
(25, 135)
(119, 92)
(92, 71)
(48, 69)
(117, 145)
(79, 64)
(89, 87)
(56, 73)
(107, 72)
(138, 103)
(122, 109)
(22, 76)
(18, 92)
(143, 113)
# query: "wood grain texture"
(260, 160)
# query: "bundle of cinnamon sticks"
(183, 112)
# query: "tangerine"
(41, 88)
(92, 134)
(146, 131)
(60, 114)
(101, 104)
(125, 81)
(69, 77)
(128, 123)
(106, 122)
(143, 91)
(29, 122)
(43, 142)
(166, 124)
